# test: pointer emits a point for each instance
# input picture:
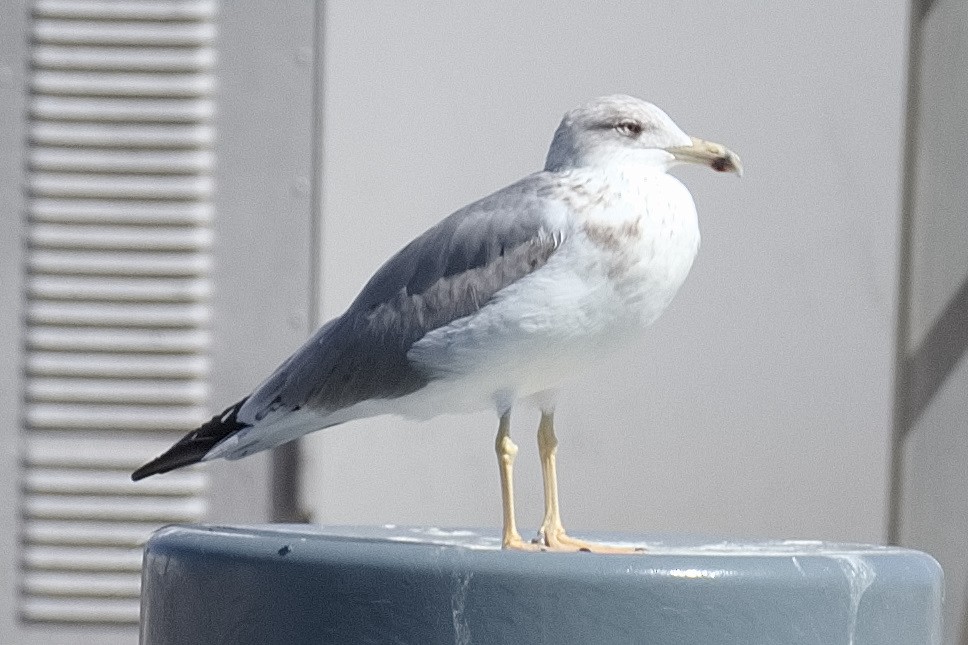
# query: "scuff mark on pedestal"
(860, 575)
(458, 601)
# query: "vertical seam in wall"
(901, 416)
(319, 222)
(315, 211)
(316, 160)
(288, 505)
(286, 465)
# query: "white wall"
(760, 405)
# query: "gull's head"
(623, 129)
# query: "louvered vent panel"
(119, 180)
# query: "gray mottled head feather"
(611, 125)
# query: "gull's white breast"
(629, 240)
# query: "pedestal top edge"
(489, 540)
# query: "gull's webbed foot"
(555, 539)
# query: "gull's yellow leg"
(552, 534)
(506, 452)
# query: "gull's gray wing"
(449, 272)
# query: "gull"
(499, 304)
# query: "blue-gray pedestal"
(306, 584)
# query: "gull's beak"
(706, 153)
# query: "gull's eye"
(629, 128)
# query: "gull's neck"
(649, 161)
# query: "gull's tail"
(193, 447)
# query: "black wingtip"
(165, 463)
(193, 447)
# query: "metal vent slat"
(135, 238)
(169, 162)
(117, 294)
(91, 390)
(88, 533)
(109, 212)
(94, 339)
(108, 451)
(79, 610)
(153, 315)
(147, 366)
(96, 585)
(114, 135)
(126, 9)
(118, 289)
(119, 264)
(65, 481)
(131, 84)
(83, 558)
(147, 59)
(114, 417)
(51, 184)
(112, 109)
(118, 508)
(111, 32)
